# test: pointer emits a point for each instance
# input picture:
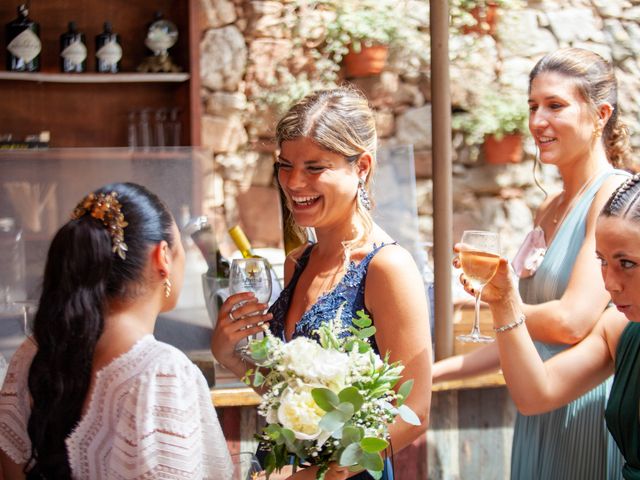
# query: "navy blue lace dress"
(349, 291)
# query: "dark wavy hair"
(82, 275)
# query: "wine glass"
(250, 275)
(480, 257)
(246, 466)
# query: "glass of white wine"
(480, 257)
(250, 275)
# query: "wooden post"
(442, 201)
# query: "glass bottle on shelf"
(23, 43)
(73, 51)
(12, 264)
(108, 51)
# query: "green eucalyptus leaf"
(325, 398)
(408, 415)
(404, 391)
(373, 444)
(332, 421)
(351, 455)
(258, 379)
(351, 435)
(376, 474)
(351, 395)
(372, 461)
(347, 410)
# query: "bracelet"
(512, 325)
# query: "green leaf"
(325, 399)
(258, 379)
(332, 421)
(376, 474)
(363, 320)
(351, 435)
(373, 444)
(351, 455)
(408, 415)
(347, 410)
(366, 332)
(270, 462)
(273, 431)
(289, 438)
(351, 395)
(404, 391)
(372, 461)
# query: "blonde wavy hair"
(339, 121)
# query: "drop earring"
(167, 287)
(363, 195)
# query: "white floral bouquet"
(330, 401)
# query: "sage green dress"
(572, 442)
(622, 408)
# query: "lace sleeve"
(169, 429)
(15, 406)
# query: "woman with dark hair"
(92, 394)
(612, 347)
(325, 165)
(575, 122)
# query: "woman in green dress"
(612, 347)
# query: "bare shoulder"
(390, 259)
(604, 192)
(291, 261)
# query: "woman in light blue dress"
(574, 122)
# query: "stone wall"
(248, 45)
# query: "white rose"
(298, 412)
(308, 360)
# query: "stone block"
(413, 127)
(265, 56)
(217, 13)
(225, 104)
(223, 58)
(223, 134)
(423, 163)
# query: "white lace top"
(150, 416)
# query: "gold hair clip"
(107, 209)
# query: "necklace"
(556, 217)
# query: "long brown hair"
(596, 82)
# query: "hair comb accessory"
(107, 209)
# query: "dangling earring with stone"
(363, 195)
(167, 287)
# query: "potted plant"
(359, 34)
(479, 16)
(498, 121)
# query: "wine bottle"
(73, 51)
(242, 242)
(23, 43)
(108, 51)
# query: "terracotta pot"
(486, 20)
(368, 61)
(506, 150)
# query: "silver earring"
(363, 195)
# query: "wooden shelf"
(45, 77)
(113, 153)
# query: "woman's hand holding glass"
(242, 313)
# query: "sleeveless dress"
(348, 292)
(622, 408)
(150, 416)
(571, 442)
